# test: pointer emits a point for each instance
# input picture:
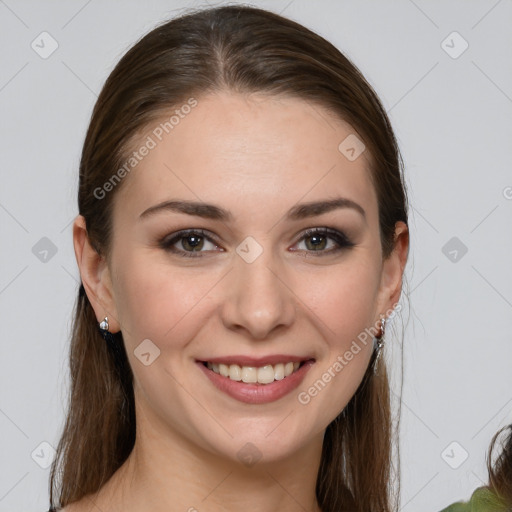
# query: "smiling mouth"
(255, 374)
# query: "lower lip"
(257, 393)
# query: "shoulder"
(482, 500)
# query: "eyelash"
(340, 238)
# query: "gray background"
(453, 120)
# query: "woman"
(497, 496)
(242, 237)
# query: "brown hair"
(500, 472)
(238, 49)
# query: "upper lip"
(256, 361)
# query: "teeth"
(224, 370)
(266, 374)
(279, 371)
(249, 374)
(235, 372)
(252, 374)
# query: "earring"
(378, 343)
(104, 324)
(108, 336)
(112, 341)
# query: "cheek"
(157, 302)
(343, 297)
(343, 301)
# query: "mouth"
(256, 381)
(265, 374)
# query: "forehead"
(246, 151)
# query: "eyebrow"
(210, 211)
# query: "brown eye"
(323, 241)
(316, 242)
(190, 243)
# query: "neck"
(166, 471)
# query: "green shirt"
(482, 500)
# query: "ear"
(95, 275)
(392, 271)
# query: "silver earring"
(113, 343)
(379, 343)
(104, 324)
(108, 336)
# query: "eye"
(192, 242)
(187, 243)
(323, 241)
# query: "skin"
(256, 156)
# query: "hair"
(243, 50)
(500, 473)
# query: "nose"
(257, 301)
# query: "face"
(246, 239)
